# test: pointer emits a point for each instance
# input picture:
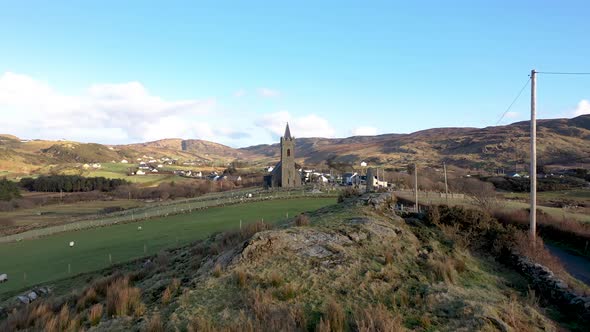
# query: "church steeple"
(287, 132)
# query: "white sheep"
(3, 277)
(71, 244)
(139, 228)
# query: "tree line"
(70, 183)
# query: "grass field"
(30, 262)
(47, 215)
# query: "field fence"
(165, 209)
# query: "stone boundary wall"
(551, 287)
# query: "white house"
(139, 172)
(154, 170)
(96, 165)
(160, 165)
(363, 164)
(124, 161)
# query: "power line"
(514, 101)
(561, 73)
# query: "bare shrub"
(377, 318)
(324, 326)
(302, 220)
(95, 314)
(483, 194)
(348, 193)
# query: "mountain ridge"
(560, 141)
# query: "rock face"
(551, 286)
(326, 245)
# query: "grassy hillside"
(349, 267)
(559, 141)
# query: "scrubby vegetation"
(8, 190)
(70, 183)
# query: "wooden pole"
(446, 184)
(416, 186)
(533, 169)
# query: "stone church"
(285, 174)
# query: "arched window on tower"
(288, 152)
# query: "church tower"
(285, 174)
(289, 175)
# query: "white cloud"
(582, 108)
(240, 93)
(305, 126)
(268, 93)
(115, 113)
(512, 115)
(364, 131)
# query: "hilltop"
(560, 142)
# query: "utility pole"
(416, 185)
(533, 170)
(446, 184)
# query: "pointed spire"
(287, 132)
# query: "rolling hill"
(560, 142)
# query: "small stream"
(577, 266)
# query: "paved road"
(578, 266)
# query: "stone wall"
(551, 287)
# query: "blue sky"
(234, 72)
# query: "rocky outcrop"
(551, 287)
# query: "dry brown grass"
(95, 314)
(286, 292)
(241, 278)
(217, 270)
(566, 230)
(302, 220)
(377, 318)
(443, 271)
(88, 297)
(335, 315)
(537, 252)
(388, 258)
(324, 326)
(124, 300)
(154, 324)
(275, 279)
(200, 324)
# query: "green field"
(30, 262)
